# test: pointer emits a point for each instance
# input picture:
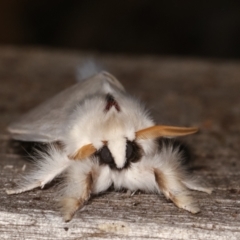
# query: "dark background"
(186, 28)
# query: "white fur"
(89, 122)
(47, 166)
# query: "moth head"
(115, 128)
(120, 152)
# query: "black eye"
(132, 152)
(105, 155)
(129, 150)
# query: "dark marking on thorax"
(111, 102)
(133, 154)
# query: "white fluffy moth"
(107, 139)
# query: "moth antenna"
(84, 152)
(164, 131)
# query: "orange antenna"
(164, 131)
(84, 152)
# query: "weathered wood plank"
(179, 91)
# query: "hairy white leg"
(76, 189)
(70, 204)
(172, 187)
(48, 166)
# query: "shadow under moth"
(107, 139)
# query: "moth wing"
(46, 122)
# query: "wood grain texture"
(182, 92)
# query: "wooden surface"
(178, 91)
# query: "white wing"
(46, 122)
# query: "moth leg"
(78, 197)
(28, 186)
(34, 180)
(193, 184)
(174, 190)
(22, 189)
(48, 166)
